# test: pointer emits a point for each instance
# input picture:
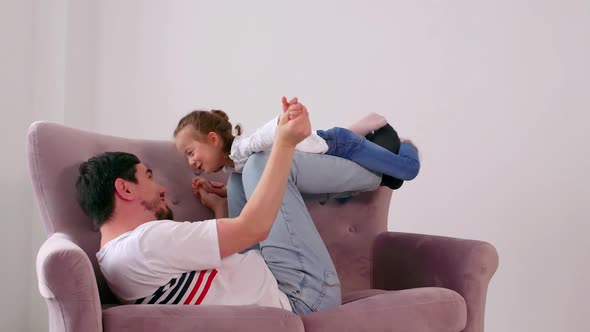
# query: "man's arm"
(259, 213)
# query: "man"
(147, 259)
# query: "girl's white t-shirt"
(262, 140)
(169, 262)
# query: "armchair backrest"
(55, 153)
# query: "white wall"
(63, 90)
(47, 73)
(15, 190)
(494, 94)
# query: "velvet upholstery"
(390, 281)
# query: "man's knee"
(255, 165)
(252, 171)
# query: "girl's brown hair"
(205, 122)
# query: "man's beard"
(165, 213)
(162, 213)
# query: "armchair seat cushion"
(420, 309)
(181, 318)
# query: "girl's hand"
(292, 107)
(208, 186)
(286, 104)
(290, 130)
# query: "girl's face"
(203, 152)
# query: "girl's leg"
(349, 145)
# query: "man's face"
(151, 194)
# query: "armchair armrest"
(403, 261)
(68, 284)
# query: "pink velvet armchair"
(390, 281)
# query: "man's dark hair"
(96, 183)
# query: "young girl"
(206, 139)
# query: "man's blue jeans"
(294, 250)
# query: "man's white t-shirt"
(169, 262)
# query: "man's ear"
(122, 190)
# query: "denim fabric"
(346, 144)
(294, 250)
